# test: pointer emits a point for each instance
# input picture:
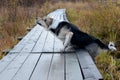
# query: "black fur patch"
(80, 38)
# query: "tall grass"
(14, 24)
(102, 21)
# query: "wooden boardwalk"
(37, 57)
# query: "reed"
(100, 20)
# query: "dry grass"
(14, 24)
(102, 21)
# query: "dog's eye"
(45, 20)
(111, 45)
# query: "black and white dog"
(70, 34)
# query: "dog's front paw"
(62, 50)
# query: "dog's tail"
(101, 44)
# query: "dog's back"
(80, 38)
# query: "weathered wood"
(19, 60)
(23, 42)
(27, 68)
(88, 67)
(29, 29)
(65, 18)
(73, 71)
(13, 67)
(16, 64)
(23, 64)
(5, 62)
(49, 43)
(57, 68)
(41, 42)
(6, 51)
(58, 45)
(57, 15)
(32, 41)
(20, 38)
(42, 69)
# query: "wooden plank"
(29, 29)
(10, 71)
(42, 69)
(27, 68)
(39, 45)
(96, 72)
(61, 17)
(92, 79)
(19, 60)
(58, 45)
(58, 12)
(23, 42)
(73, 71)
(27, 48)
(65, 18)
(57, 17)
(6, 61)
(88, 67)
(30, 44)
(46, 66)
(49, 43)
(14, 65)
(57, 68)
(19, 38)
(6, 51)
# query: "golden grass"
(14, 24)
(102, 21)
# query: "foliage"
(102, 21)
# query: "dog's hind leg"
(68, 38)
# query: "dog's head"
(45, 21)
(48, 20)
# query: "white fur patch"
(111, 46)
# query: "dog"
(70, 34)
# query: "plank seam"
(80, 65)
(54, 45)
(50, 66)
(29, 37)
(14, 57)
(26, 57)
(64, 66)
(35, 66)
(38, 58)
(44, 42)
(51, 52)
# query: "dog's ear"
(38, 19)
(41, 22)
